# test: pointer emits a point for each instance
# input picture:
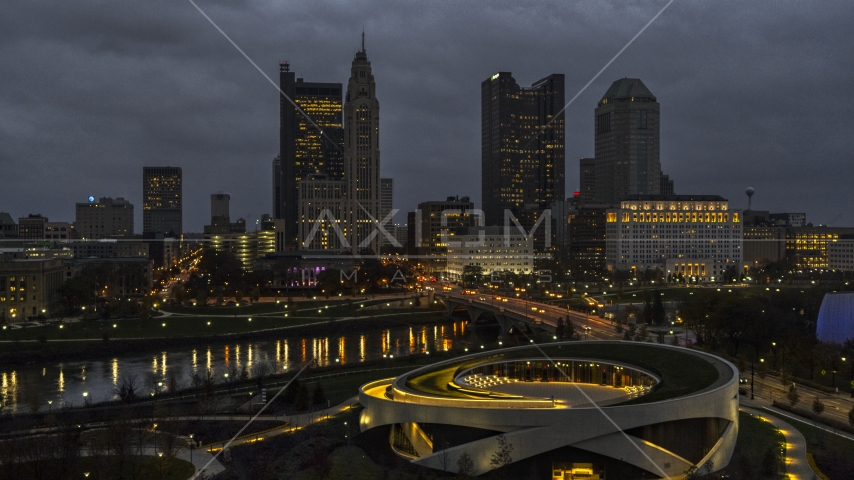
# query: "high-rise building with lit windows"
(522, 146)
(341, 212)
(362, 151)
(162, 200)
(627, 143)
(307, 148)
(691, 238)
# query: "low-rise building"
(491, 250)
(29, 287)
(840, 255)
(31, 227)
(107, 218)
(433, 224)
(8, 227)
(807, 247)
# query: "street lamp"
(154, 428)
(49, 404)
(192, 444)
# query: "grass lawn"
(350, 463)
(755, 439)
(100, 468)
(195, 326)
(833, 454)
(682, 373)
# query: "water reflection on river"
(66, 383)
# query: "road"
(599, 328)
(836, 406)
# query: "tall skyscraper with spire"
(362, 151)
(341, 213)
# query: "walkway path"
(293, 422)
(797, 465)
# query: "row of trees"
(113, 451)
(776, 326)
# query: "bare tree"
(503, 455)
(465, 466)
(128, 388)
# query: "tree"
(569, 329)
(647, 308)
(465, 466)
(658, 312)
(319, 462)
(128, 388)
(560, 329)
(817, 406)
(318, 396)
(301, 401)
(793, 396)
(770, 463)
(502, 456)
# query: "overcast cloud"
(752, 93)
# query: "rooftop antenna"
(363, 39)
(750, 191)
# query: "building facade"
(489, 249)
(8, 227)
(345, 205)
(840, 255)
(586, 229)
(627, 142)
(807, 247)
(29, 288)
(362, 154)
(522, 145)
(162, 200)
(32, 227)
(587, 180)
(434, 224)
(695, 238)
(306, 147)
(107, 218)
(58, 231)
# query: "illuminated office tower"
(340, 211)
(386, 206)
(627, 143)
(522, 146)
(303, 150)
(362, 151)
(161, 200)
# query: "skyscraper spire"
(363, 39)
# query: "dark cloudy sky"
(753, 93)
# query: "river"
(95, 380)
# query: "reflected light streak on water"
(99, 376)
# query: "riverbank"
(22, 352)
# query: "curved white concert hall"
(678, 407)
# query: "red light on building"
(576, 194)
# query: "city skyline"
(764, 135)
